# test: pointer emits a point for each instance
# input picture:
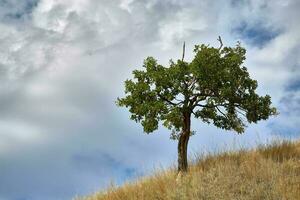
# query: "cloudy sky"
(62, 66)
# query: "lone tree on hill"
(214, 87)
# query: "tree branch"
(221, 112)
(195, 100)
(183, 51)
(224, 105)
(221, 43)
(206, 106)
(203, 106)
(167, 100)
(192, 83)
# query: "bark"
(183, 143)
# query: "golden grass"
(268, 172)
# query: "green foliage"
(215, 87)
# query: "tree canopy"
(214, 87)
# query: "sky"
(63, 64)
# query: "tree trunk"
(183, 143)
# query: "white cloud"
(63, 66)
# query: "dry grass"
(268, 172)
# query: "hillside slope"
(268, 172)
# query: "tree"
(214, 87)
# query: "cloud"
(287, 122)
(256, 35)
(15, 10)
(62, 66)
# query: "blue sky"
(62, 66)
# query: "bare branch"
(183, 51)
(221, 43)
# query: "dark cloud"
(256, 34)
(12, 10)
(293, 86)
(286, 124)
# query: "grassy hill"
(268, 172)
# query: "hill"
(267, 172)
